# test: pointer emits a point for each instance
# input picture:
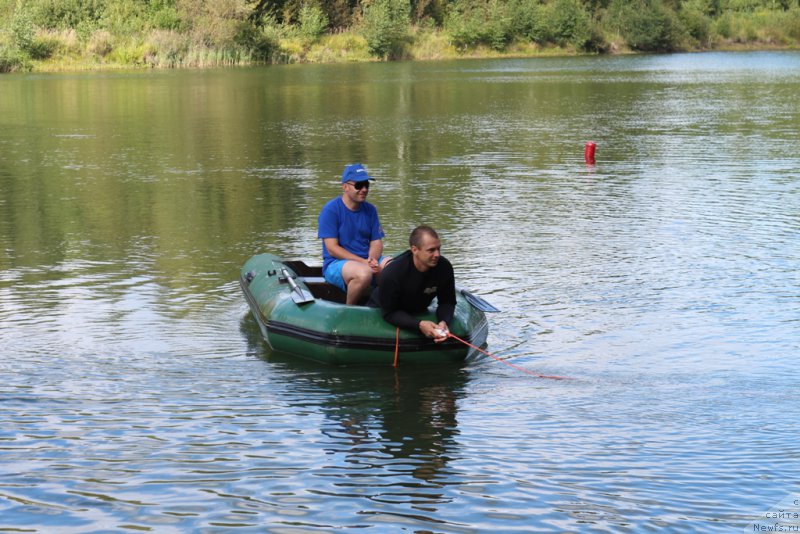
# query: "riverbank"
(45, 36)
(330, 50)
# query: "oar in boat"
(477, 302)
(299, 295)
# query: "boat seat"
(325, 291)
(312, 279)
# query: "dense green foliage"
(385, 26)
(172, 33)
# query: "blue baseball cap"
(355, 173)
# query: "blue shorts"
(333, 274)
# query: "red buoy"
(588, 152)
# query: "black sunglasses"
(360, 185)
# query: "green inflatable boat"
(300, 314)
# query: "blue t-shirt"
(355, 230)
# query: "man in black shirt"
(410, 282)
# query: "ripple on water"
(137, 393)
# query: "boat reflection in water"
(407, 416)
(389, 433)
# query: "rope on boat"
(518, 368)
(396, 345)
(450, 334)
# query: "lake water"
(137, 395)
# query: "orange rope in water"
(518, 368)
(396, 345)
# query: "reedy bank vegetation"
(53, 34)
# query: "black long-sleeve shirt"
(403, 291)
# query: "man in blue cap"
(352, 237)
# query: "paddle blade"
(301, 296)
(478, 303)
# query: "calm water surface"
(137, 395)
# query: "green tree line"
(52, 34)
